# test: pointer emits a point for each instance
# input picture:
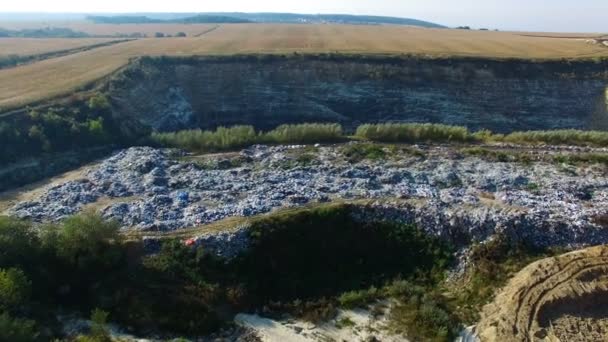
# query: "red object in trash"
(190, 242)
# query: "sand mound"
(556, 299)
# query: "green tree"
(18, 243)
(99, 101)
(14, 288)
(85, 241)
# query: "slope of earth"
(39, 81)
(556, 299)
(442, 191)
(266, 91)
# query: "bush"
(17, 330)
(413, 133)
(358, 299)
(241, 136)
(423, 315)
(205, 141)
(559, 137)
(305, 134)
(19, 244)
(358, 152)
(86, 242)
(14, 288)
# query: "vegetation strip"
(16, 60)
(239, 136)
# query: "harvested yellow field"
(37, 46)
(59, 76)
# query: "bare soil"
(556, 299)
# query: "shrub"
(17, 330)
(241, 136)
(85, 241)
(206, 141)
(305, 134)
(99, 101)
(358, 152)
(18, 244)
(358, 299)
(413, 133)
(14, 288)
(559, 137)
(99, 332)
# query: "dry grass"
(35, 46)
(29, 83)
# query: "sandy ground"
(564, 298)
(349, 325)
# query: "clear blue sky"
(537, 15)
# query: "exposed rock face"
(268, 91)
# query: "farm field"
(113, 29)
(36, 46)
(59, 76)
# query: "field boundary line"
(29, 59)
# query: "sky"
(523, 15)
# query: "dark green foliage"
(301, 262)
(358, 152)
(47, 32)
(17, 330)
(423, 315)
(14, 288)
(323, 252)
(85, 124)
(85, 242)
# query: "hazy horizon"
(521, 15)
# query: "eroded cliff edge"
(265, 91)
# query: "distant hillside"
(47, 32)
(197, 19)
(236, 17)
(330, 18)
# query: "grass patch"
(413, 133)
(497, 156)
(423, 133)
(364, 151)
(308, 133)
(581, 158)
(230, 138)
(558, 137)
